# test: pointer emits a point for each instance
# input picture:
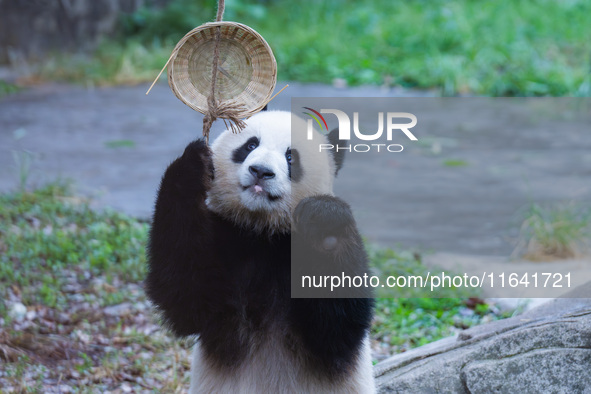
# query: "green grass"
(405, 323)
(68, 264)
(554, 232)
(113, 63)
(415, 317)
(49, 231)
(455, 163)
(387, 262)
(7, 88)
(120, 144)
(491, 47)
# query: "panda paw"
(325, 221)
(198, 155)
(192, 173)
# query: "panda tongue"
(257, 189)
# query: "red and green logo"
(315, 116)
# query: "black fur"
(210, 277)
(296, 172)
(339, 157)
(240, 154)
(334, 341)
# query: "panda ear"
(265, 107)
(337, 155)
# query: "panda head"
(261, 173)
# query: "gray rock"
(118, 310)
(547, 349)
(549, 369)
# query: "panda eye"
(252, 146)
(288, 157)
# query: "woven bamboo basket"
(246, 75)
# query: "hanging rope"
(227, 110)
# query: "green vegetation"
(47, 232)
(126, 62)
(455, 163)
(120, 144)
(413, 318)
(491, 47)
(405, 323)
(86, 321)
(72, 308)
(387, 262)
(7, 88)
(558, 232)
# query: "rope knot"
(227, 111)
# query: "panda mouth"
(258, 190)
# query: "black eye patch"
(240, 154)
(296, 172)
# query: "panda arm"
(179, 252)
(325, 241)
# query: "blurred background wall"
(31, 28)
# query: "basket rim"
(172, 75)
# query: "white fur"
(274, 369)
(227, 195)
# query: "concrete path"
(115, 144)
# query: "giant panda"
(225, 222)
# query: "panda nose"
(261, 172)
